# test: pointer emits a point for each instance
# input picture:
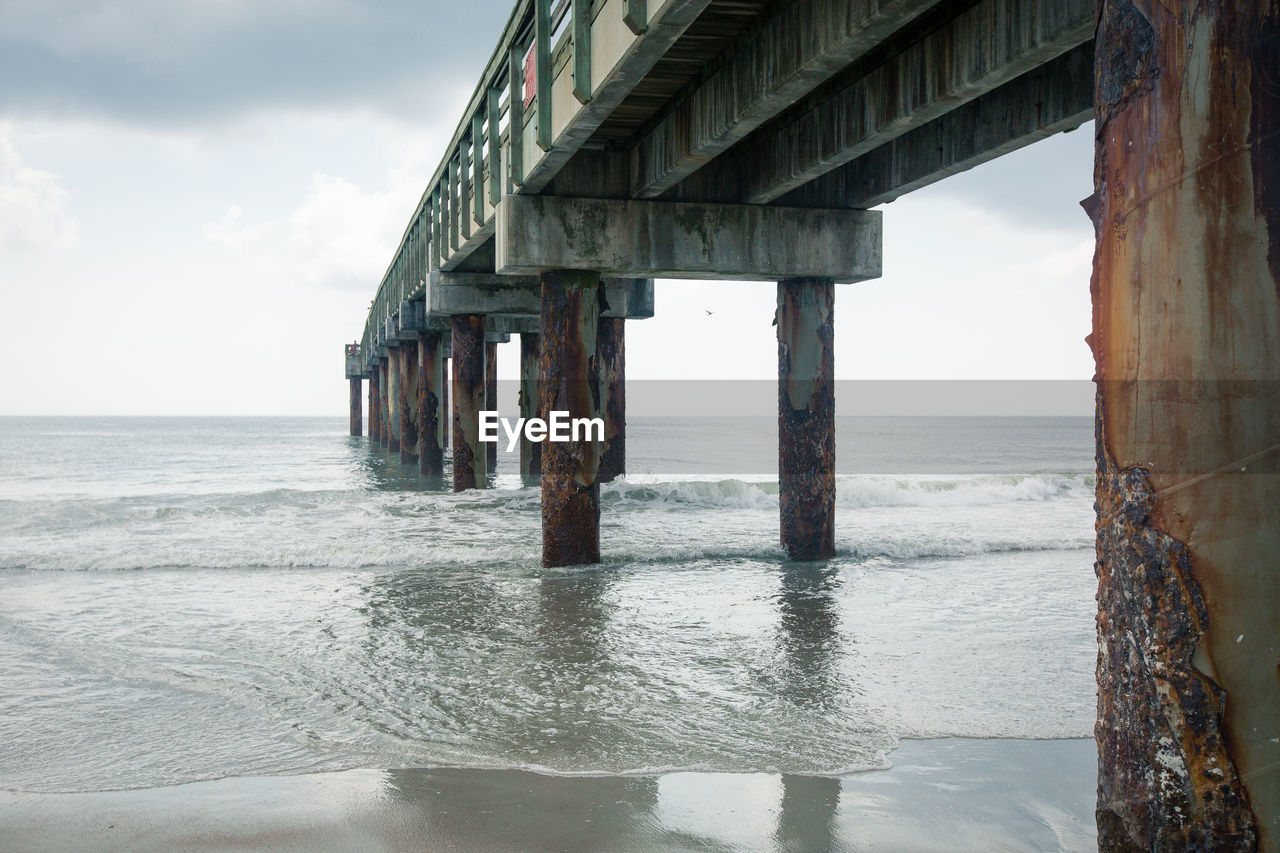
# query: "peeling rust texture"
(430, 381)
(468, 398)
(530, 366)
(806, 418)
(569, 382)
(491, 396)
(611, 356)
(373, 404)
(393, 401)
(1186, 339)
(409, 403)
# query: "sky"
(198, 199)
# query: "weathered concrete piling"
(569, 382)
(393, 400)
(408, 402)
(611, 358)
(374, 426)
(430, 414)
(469, 468)
(491, 396)
(806, 418)
(384, 430)
(1186, 336)
(530, 401)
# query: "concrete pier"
(355, 403)
(530, 369)
(408, 402)
(469, 470)
(374, 424)
(611, 357)
(393, 400)
(384, 429)
(431, 420)
(806, 418)
(1186, 338)
(569, 382)
(491, 396)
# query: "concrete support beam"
(568, 383)
(375, 426)
(1054, 98)
(469, 469)
(806, 418)
(530, 367)
(512, 297)
(408, 405)
(384, 428)
(979, 50)
(431, 418)
(611, 359)
(491, 395)
(357, 416)
(678, 240)
(393, 401)
(803, 45)
(1186, 338)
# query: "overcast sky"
(197, 200)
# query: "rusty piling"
(469, 470)
(611, 357)
(569, 382)
(384, 431)
(806, 418)
(1186, 340)
(409, 402)
(373, 404)
(393, 400)
(491, 397)
(530, 367)
(354, 403)
(446, 390)
(430, 414)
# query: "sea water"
(185, 599)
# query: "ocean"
(187, 599)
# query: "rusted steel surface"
(806, 418)
(530, 367)
(611, 357)
(569, 382)
(430, 422)
(384, 431)
(409, 403)
(491, 396)
(393, 400)
(469, 472)
(357, 415)
(373, 403)
(1186, 337)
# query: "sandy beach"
(940, 795)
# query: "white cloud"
(342, 236)
(231, 234)
(32, 205)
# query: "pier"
(610, 143)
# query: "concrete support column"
(806, 418)
(384, 430)
(1186, 339)
(431, 419)
(611, 356)
(530, 367)
(393, 401)
(469, 470)
(374, 425)
(569, 382)
(357, 416)
(491, 396)
(446, 390)
(409, 402)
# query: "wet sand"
(940, 795)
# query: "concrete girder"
(685, 240)
(1054, 98)
(979, 50)
(802, 46)
(518, 296)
